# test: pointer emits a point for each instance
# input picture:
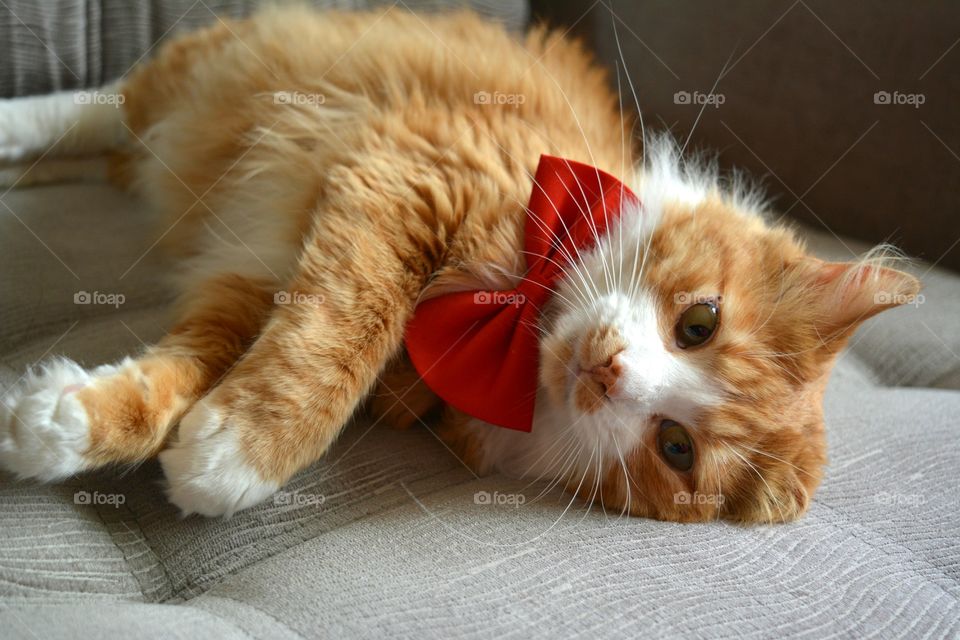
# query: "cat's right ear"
(845, 294)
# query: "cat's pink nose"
(608, 374)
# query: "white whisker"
(770, 492)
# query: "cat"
(362, 163)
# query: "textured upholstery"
(399, 545)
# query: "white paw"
(10, 153)
(44, 429)
(63, 123)
(19, 137)
(206, 469)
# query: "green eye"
(697, 324)
(675, 445)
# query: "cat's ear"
(848, 293)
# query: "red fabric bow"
(479, 350)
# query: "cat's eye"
(697, 324)
(675, 445)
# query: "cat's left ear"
(849, 293)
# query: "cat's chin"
(561, 433)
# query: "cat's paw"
(10, 153)
(206, 468)
(18, 139)
(44, 429)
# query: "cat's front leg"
(61, 419)
(283, 404)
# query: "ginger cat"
(363, 163)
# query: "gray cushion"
(399, 544)
(106, 621)
(74, 44)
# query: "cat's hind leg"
(61, 419)
(63, 123)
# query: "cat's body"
(322, 173)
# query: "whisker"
(607, 277)
(626, 477)
(582, 299)
(703, 107)
(764, 453)
(633, 91)
(569, 452)
(770, 492)
(716, 466)
(573, 263)
(537, 219)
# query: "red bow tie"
(480, 350)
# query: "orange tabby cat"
(356, 164)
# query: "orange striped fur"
(351, 165)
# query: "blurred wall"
(848, 109)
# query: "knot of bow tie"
(480, 350)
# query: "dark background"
(797, 79)
(799, 107)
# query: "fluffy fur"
(321, 173)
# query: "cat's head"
(684, 362)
